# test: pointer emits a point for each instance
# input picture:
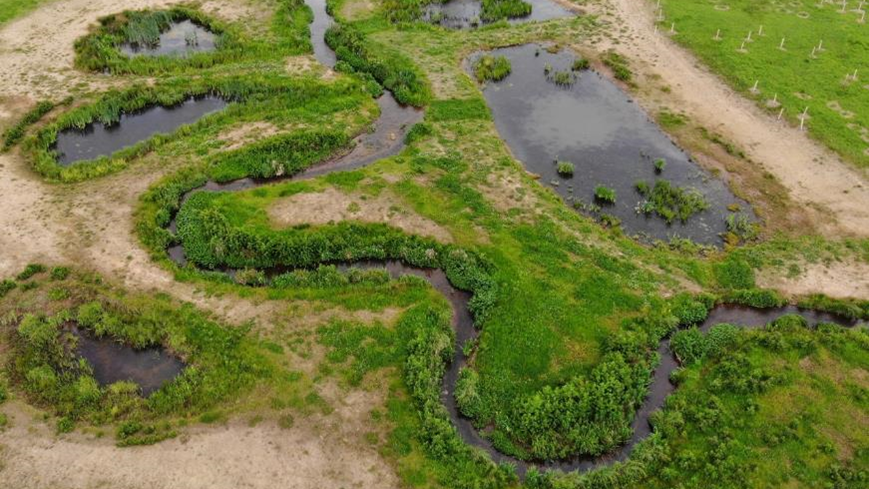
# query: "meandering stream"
(388, 139)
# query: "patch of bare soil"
(814, 176)
(357, 9)
(334, 206)
(840, 280)
(244, 134)
(310, 454)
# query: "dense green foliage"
(605, 194)
(619, 65)
(494, 10)
(394, 72)
(491, 68)
(793, 75)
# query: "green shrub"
(6, 286)
(491, 68)
(689, 346)
(494, 10)
(30, 270)
(605, 194)
(419, 131)
(660, 165)
(759, 298)
(561, 78)
(734, 273)
(59, 273)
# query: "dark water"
(97, 139)
(113, 362)
(181, 39)
(608, 138)
(322, 22)
(465, 14)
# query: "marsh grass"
(491, 68)
(670, 202)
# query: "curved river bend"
(388, 140)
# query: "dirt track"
(814, 175)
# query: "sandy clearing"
(314, 453)
(334, 206)
(840, 280)
(814, 175)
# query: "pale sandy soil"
(316, 452)
(333, 206)
(840, 280)
(814, 175)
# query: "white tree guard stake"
(717, 35)
(782, 44)
(673, 28)
(749, 36)
(781, 113)
(760, 31)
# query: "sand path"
(814, 175)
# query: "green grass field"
(10, 9)
(838, 105)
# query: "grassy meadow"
(814, 68)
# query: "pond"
(465, 14)
(593, 124)
(112, 362)
(181, 39)
(98, 139)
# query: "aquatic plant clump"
(605, 194)
(670, 202)
(565, 168)
(491, 68)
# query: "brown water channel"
(610, 140)
(465, 14)
(112, 362)
(181, 39)
(98, 139)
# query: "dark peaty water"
(608, 138)
(465, 14)
(181, 39)
(112, 362)
(97, 139)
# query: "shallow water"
(465, 14)
(608, 138)
(181, 39)
(97, 139)
(112, 362)
(322, 22)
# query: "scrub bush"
(670, 202)
(564, 168)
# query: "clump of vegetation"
(605, 194)
(491, 68)
(660, 165)
(565, 168)
(670, 202)
(581, 64)
(740, 225)
(30, 270)
(619, 65)
(494, 10)
(561, 78)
